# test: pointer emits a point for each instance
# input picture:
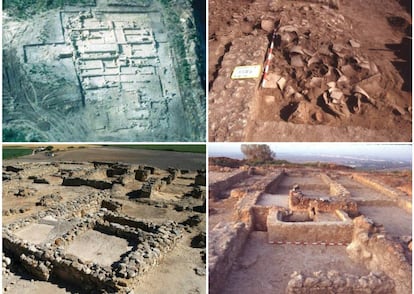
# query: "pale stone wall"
(216, 189)
(50, 259)
(225, 243)
(334, 282)
(379, 253)
(402, 200)
(335, 188)
(329, 231)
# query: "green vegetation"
(13, 152)
(257, 153)
(176, 148)
(25, 8)
(17, 135)
(10, 135)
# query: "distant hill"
(225, 162)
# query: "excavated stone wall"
(371, 247)
(400, 197)
(101, 185)
(259, 215)
(299, 202)
(335, 188)
(227, 240)
(216, 190)
(225, 244)
(334, 282)
(230, 100)
(149, 243)
(272, 187)
(339, 231)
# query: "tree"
(257, 153)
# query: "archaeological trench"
(104, 71)
(103, 227)
(338, 71)
(306, 230)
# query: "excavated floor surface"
(270, 261)
(321, 61)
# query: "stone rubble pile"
(341, 283)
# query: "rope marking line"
(309, 243)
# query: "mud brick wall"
(400, 197)
(216, 190)
(333, 231)
(378, 253)
(335, 189)
(334, 282)
(230, 100)
(225, 244)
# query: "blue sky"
(366, 150)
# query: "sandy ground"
(264, 268)
(176, 273)
(96, 246)
(35, 233)
(20, 284)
